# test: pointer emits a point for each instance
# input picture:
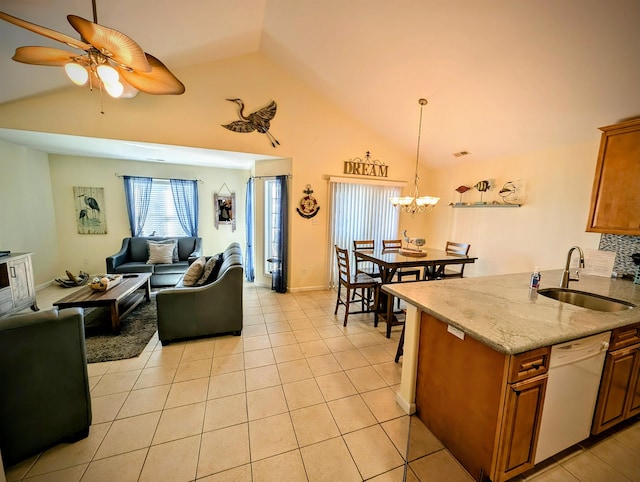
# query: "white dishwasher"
(575, 369)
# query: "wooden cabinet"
(17, 290)
(615, 204)
(484, 406)
(520, 426)
(619, 394)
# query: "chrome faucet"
(566, 276)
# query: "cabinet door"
(633, 397)
(612, 396)
(521, 426)
(615, 205)
(21, 282)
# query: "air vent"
(461, 153)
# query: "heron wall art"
(259, 120)
(90, 214)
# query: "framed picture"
(224, 210)
(90, 214)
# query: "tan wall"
(508, 240)
(87, 252)
(27, 216)
(315, 136)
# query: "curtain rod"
(290, 176)
(163, 178)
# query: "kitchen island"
(476, 355)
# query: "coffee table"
(121, 299)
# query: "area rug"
(137, 328)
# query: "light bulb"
(107, 74)
(76, 73)
(114, 89)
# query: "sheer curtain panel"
(137, 191)
(185, 198)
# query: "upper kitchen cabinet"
(615, 203)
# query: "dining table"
(433, 261)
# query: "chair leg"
(346, 308)
(400, 350)
(338, 300)
(389, 316)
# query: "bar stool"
(456, 271)
(363, 266)
(367, 286)
(395, 245)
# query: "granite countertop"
(503, 313)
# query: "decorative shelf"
(485, 205)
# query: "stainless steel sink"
(583, 299)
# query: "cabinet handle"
(13, 271)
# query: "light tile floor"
(297, 397)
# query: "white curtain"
(360, 211)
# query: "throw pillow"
(160, 253)
(208, 269)
(169, 241)
(193, 274)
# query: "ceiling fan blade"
(44, 56)
(47, 32)
(159, 81)
(111, 43)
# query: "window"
(162, 219)
(161, 207)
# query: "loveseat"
(212, 307)
(44, 398)
(134, 254)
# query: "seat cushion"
(172, 268)
(135, 267)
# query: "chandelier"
(415, 203)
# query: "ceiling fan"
(110, 59)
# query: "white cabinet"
(17, 290)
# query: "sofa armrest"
(119, 258)
(197, 251)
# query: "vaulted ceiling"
(502, 77)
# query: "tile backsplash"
(624, 246)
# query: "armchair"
(45, 388)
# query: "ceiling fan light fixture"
(107, 74)
(114, 89)
(127, 68)
(76, 73)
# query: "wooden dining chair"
(456, 270)
(401, 273)
(359, 288)
(362, 266)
